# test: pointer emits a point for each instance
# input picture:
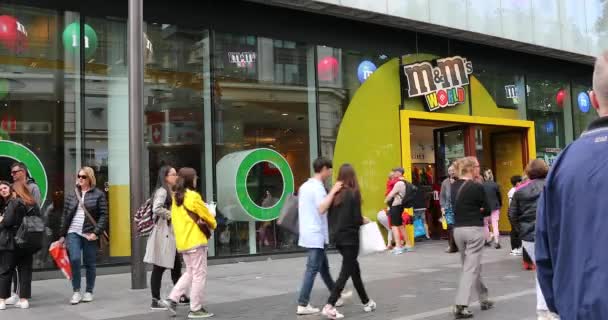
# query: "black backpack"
(410, 195)
(31, 231)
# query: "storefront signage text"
(242, 59)
(441, 85)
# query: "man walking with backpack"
(397, 199)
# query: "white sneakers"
(370, 306)
(516, 252)
(344, 296)
(22, 304)
(308, 310)
(76, 298)
(12, 300)
(19, 304)
(331, 312)
(88, 297)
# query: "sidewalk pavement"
(417, 285)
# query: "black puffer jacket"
(523, 208)
(95, 202)
(13, 217)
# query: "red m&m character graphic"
(13, 35)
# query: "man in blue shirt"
(313, 203)
(572, 220)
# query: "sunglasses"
(82, 177)
(14, 172)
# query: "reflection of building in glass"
(216, 84)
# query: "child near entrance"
(492, 191)
(395, 197)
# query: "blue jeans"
(317, 262)
(79, 249)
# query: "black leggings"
(157, 276)
(16, 267)
(350, 269)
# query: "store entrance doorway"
(435, 145)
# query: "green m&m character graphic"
(71, 39)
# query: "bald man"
(572, 219)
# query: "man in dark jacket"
(571, 225)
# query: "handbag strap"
(195, 217)
(460, 189)
(86, 212)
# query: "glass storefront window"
(549, 106)
(582, 110)
(506, 87)
(340, 74)
(262, 101)
(39, 106)
(174, 98)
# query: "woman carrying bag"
(345, 214)
(15, 259)
(192, 225)
(470, 208)
(161, 252)
(85, 220)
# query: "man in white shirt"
(313, 203)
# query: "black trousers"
(16, 265)
(157, 276)
(350, 269)
(515, 240)
(451, 242)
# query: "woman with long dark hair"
(19, 202)
(523, 214)
(470, 208)
(345, 214)
(160, 250)
(192, 242)
(85, 220)
(11, 216)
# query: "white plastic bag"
(370, 239)
(211, 206)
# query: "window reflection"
(261, 101)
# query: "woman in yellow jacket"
(191, 242)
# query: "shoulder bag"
(202, 224)
(104, 239)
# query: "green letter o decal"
(21, 153)
(255, 157)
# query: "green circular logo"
(21, 153)
(253, 158)
(71, 39)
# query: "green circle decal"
(255, 157)
(21, 153)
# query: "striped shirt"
(78, 221)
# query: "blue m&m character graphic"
(584, 103)
(365, 69)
